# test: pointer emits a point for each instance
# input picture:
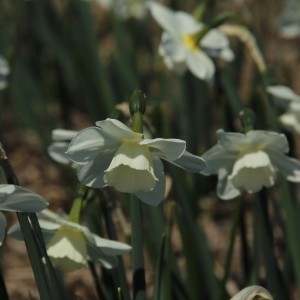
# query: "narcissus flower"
(284, 94)
(248, 162)
(70, 245)
(180, 46)
(114, 155)
(15, 198)
(61, 140)
(253, 292)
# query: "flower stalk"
(137, 106)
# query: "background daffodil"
(248, 162)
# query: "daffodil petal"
(186, 23)
(283, 92)
(96, 255)
(57, 152)
(169, 149)
(155, 196)
(172, 48)
(215, 39)
(225, 188)
(190, 162)
(164, 16)
(15, 198)
(63, 134)
(3, 224)
(89, 142)
(230, 140)
(200, 64)
(287, 166)
(92, 173)
(217, 158)
(116, 130)
(267, 140)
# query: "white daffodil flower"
(71, 245)
(248, 162)
(114, 155)
(15, 198)
(61, 139)
(4, 72)
(289, 21)
(253, 292)
(179, 46)
(283, 94)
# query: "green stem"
(138, 280)
(235, 223)
(75, 212)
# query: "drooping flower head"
(248, 162)
(70, 245)
(180, 45)
(15, 198)
(111, 154)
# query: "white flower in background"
(179, 46)
(253, 292)
(4, 72)
(289, 21)
(61, 139)
(114, 155)
(15, 198)
(71, 245)
(289, 100)
(248, 162)
(125, 9)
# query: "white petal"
(169, 149)
(164, 16)
(283, 92)
(63, 134)
(92, 173)
(57, 152)
(117, 130)
(267, 140)
(110, 247)
(96, 255)
(217, 158)
(225, 188)
(215, 39)
(131, 169)
(287, 166)
(200, 65)
(291, 120)
(4, 67)
(2, 227)
(186, 23)
(190, 162)
(157, 194)
(90, 142)
(172, 48)
(15, 198)
(231, 140)
(252, 171)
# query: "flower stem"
(235, 223)
(138, 281)
(75, 212)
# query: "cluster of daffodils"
(17, 199)
(70, 245)
(289, 101)
(183, 46)
(111, 154)
(248, 162)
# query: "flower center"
(131, 169)
(190, 42)
(251, 171)
(67, 249)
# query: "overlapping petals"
(15, 198)
(114, 155)
(71, 245)
(179, 46)
(248, 162)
